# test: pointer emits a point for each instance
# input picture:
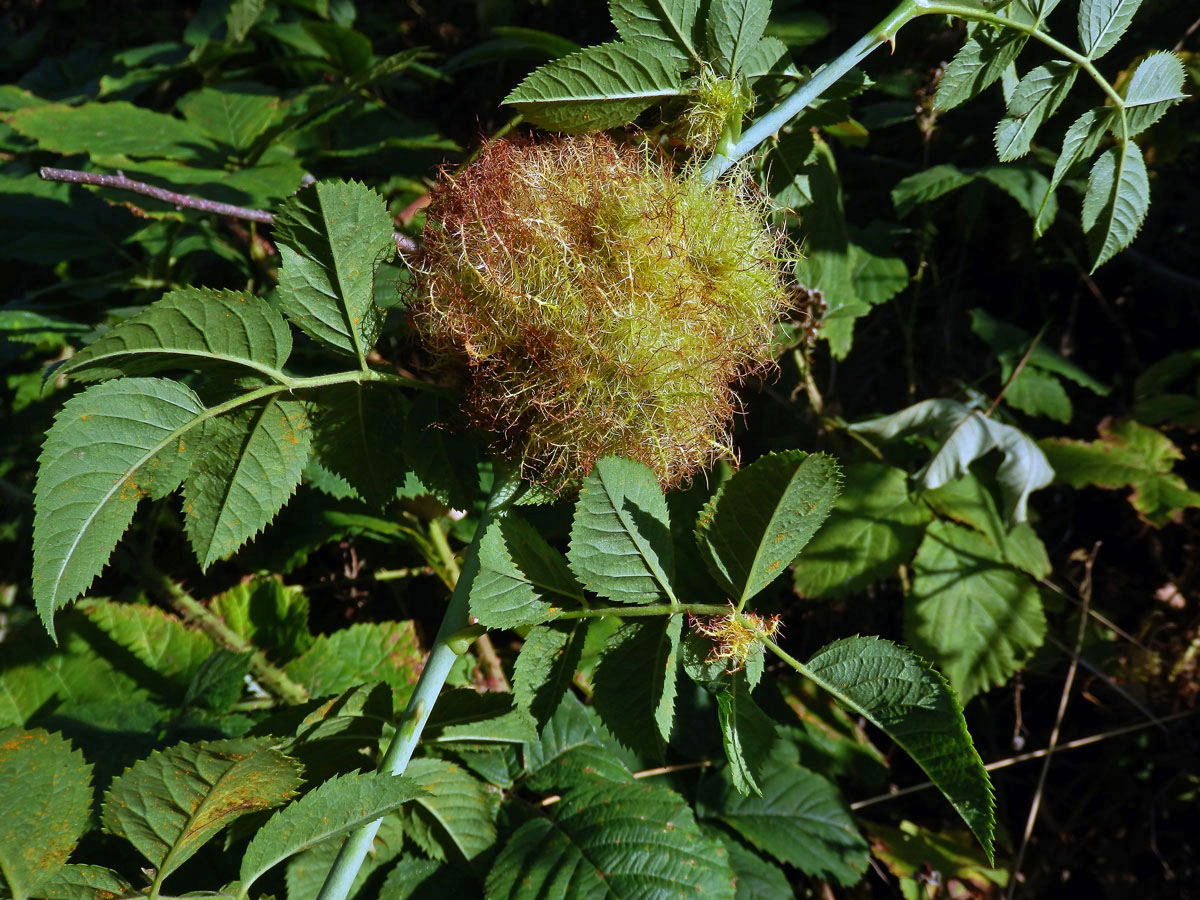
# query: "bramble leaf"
(899, 693)
(45, 806)
(966, 435)
(597, 88)
(156, 638)
(1127, 455)
(758, 522)
(332, 237)
(621, 537)
(917, 190)
(111, 129)
(800, 818)
(612, 840)
(193, 328)
(334, 807)
(232, 114)
(522, 579)
(635, 683)
(970, 613)
(1117, 198)
(246, 467)
(170, 804)
(109, 447)
(871, 530)
(377, 651)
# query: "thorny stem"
(404, 244)
(271, 676)
(444, 652)
(885, 33)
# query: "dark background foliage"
(1119, 817)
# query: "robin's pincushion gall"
(597, 302)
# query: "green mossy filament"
(598, 303)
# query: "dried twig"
(404, 244)
(1085, 594)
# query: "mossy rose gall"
(597, 302)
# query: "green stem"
(657, 609)
(883, 33)
(823, 79)
(442, 655)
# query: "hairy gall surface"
(598, 303)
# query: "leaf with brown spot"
(45, 801)
(170, 804)
(758, 522)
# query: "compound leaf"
(800, 818)
(966, 435)
(248, 463)
(522, 579)
(597, 88)
(1102, 22)
(621, 537)
(332, 238)
(570, 751)
(1117, 198)
(545, 667)
(899, 693)
(334, 807)
(667, 23)
(358, 431)
(969, 612)
(1034, 100)
(45, 805)
(982, 59)
(747, 734)
(1155, 87)
(172, 803)
(734, 28)
(608, 841)
(109, 447)
(1079, 143)
(871, 530)
(192, 328)
(761, 518)
(635, 683)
